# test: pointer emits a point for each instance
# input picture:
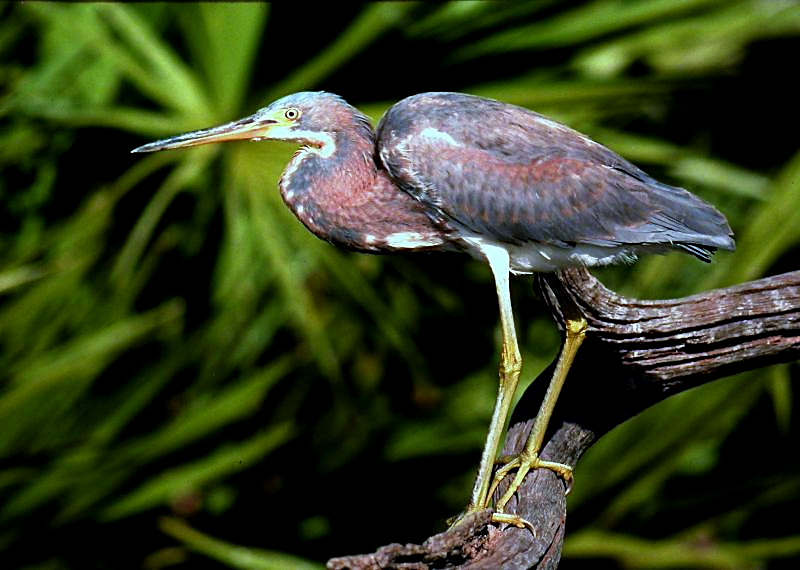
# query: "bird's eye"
(291, 113)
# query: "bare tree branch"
(647, 350)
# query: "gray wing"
(499, 170)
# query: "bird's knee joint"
(511, 365)
(511, 372)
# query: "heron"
(457, 172)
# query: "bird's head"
(310, 118)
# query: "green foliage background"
(191, 380)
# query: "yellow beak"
(255, 127)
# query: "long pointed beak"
(249, 128)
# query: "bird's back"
(550, 195)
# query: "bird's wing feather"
(502, 171)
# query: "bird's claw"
(500, 518)
(515, 520)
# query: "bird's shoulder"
(431, 121)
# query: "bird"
(457, 172)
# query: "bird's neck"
(341, 195)
(322, 182)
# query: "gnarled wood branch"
(648, 350)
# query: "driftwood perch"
(648, 350)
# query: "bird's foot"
(523, 463)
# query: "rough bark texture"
(648, 350)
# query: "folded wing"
(500, 171)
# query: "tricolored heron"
(456, 172)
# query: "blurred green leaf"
(694, 552)
(232, 555)
(226, 58)
(584, 22)
(171, 484)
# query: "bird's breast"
(344, 199)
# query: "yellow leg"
(529, 458)
(510, 366)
